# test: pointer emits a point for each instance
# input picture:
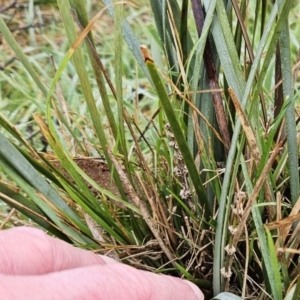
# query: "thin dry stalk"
(252, 144)
(150, 191)
(98, 234)
(7, 218)
(133, 196)
(257, 188)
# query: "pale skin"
(34, 265)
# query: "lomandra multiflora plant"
(197, 175)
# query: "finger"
(29, 251)
(113, 281)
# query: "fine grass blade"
(16, 200)
(288, 92)
(19, 53)
(226, 296)
(79, 61)
(14, 164)
(131, 40)
(276, 284)
(178, 132)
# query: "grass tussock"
(161, 133)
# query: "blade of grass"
(257, 218)
(176, 128)
(144, 210)
(226, 296)
(30, 210)
(195, 67)
(89, 204)
(65, 159)
(288, 91)
(225, 45)
(211, 72)
(163, 26)
(79, 62)
(96, 63)
(27, 178)
(220, 240)
(118, 19)
(21, 165)
(297, 290)
(131, 40)
(11, 129)
(21, 56)
(277, 293)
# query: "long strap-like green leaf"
(178, 133)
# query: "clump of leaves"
(200, 178)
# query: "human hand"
(34, 265)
